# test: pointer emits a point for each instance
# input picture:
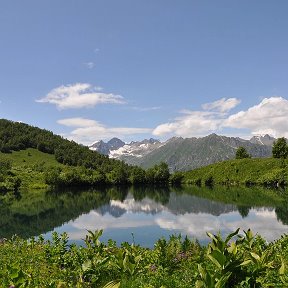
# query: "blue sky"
(134, 69)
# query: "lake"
(143, 215)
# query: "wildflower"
(153, 268)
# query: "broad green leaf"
(218, 258)
(231, 235)
(222, 281)
(282, 268)
(126, 263)
(249, 234)
(255, 256)
(209, 280)
(246, 262)
(233, 248)
(112, 284)
(199, 284)
(202, 271)
(211, 236)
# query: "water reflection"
(148, 213)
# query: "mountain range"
(183, 154)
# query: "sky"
(91, 69)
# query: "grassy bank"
(29, 165)
(237, 261)
(268, 171)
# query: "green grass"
(268, 171)
(29, 165)
(30, 157)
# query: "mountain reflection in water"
(148, 213)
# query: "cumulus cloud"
(192, 123)
(79, 95)
(88, 131)
(191, 224)
(270, 116)
(223, 105)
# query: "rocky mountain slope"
(106, 148)
(182, 154)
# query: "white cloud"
(77, 122)
(270, 116)
(193, 123)
(191, 224)
(89, 131)
(145, 109)
(223, 105)
(79, 95)
(89, 65)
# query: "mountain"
(190, 153)
(263, 140)
(183, 154)
(129, 153)
(105, 148)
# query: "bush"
(235, 261)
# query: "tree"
(137, 175)
(176, 178)
(158, 174)
(280, 148)
(242, 153)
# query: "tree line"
(82, 166)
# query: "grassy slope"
(29, 165)
(242, 171)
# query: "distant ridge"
(183, 154)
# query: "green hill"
(31, 157)
(268, 171)
(30, 165)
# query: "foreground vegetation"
(237, 261)
(267, 171)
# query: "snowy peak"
(263, 140)
(116, 148)
(105, 148)
(135, 149)
(100, 147)
(182, 154)
(115, 143)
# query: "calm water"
(147, 214)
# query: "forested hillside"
(15, 136)
(81, 166)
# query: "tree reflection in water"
(35, 213)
